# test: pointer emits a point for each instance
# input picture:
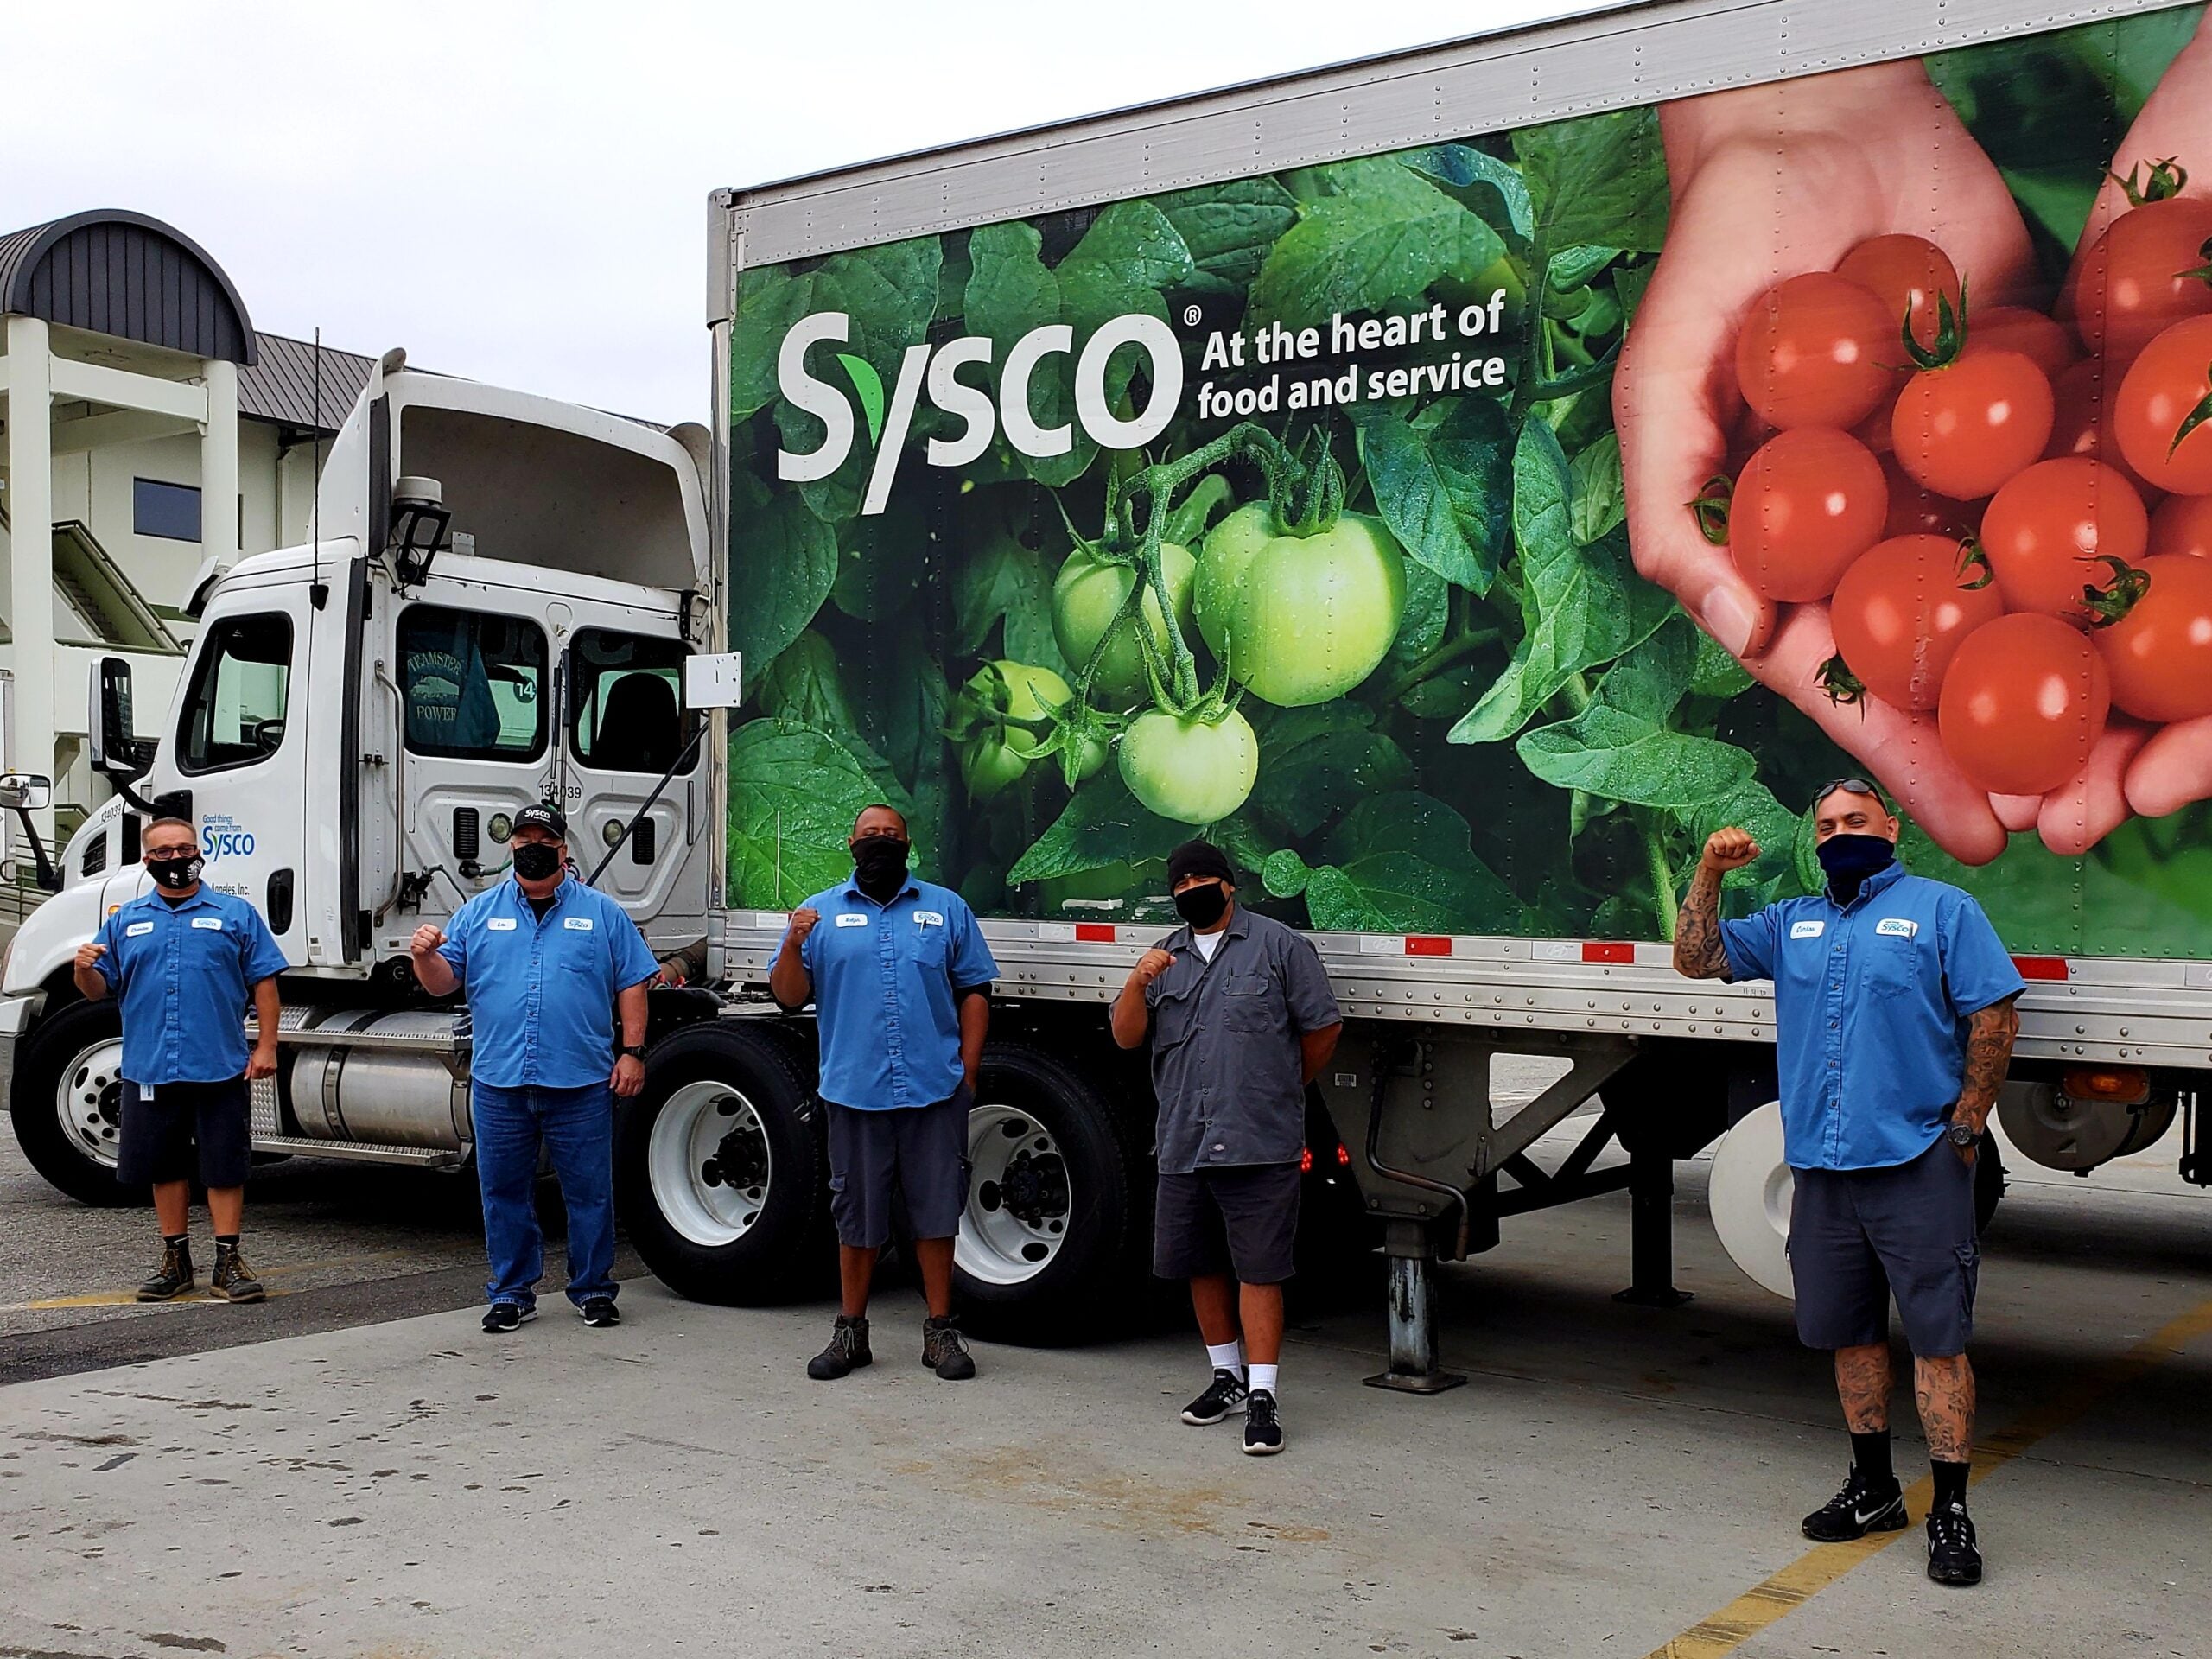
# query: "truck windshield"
(629, 702)
(473, 685)
(234, 713)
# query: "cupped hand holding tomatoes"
(1903, 610)
(1808, 504)
(2025, 700)
(2049, 531)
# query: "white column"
(218, 463)
(30, 536)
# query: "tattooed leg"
(1862, 1383)
(1944, 1391)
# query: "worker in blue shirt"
(1893, 1024)
(901, 980)
(185, 960)
(546, 964)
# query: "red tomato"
(1806, 506)
(2160, 653)
(2161, 390)
(2025, 700)
(2034, 336)
(2134, 282)
(1903, 610)
(1916, 510)
(1963, 430)
(2047, 530)
(1905, 273)
(2182, 524)
(2082, 424)
(1816, 351)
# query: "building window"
(473, 685)
(169, 510)
(234, 713)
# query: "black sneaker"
(600, 1313)
(847, 1353)
(1953, 1557)
(174, 1277)
(1224, 1395)
(1263, 1433)
(944, 1352)
(507, 1316)
(233, 1281)
(1862, 1506)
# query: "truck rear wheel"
(67, 1103)
(721, 1174)
(1054, 1241)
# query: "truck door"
(626, 727)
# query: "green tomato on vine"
(1088, 597)
(1190, 769)
(1012, 715)
(1298, 618)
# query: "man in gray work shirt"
(1242, 1019)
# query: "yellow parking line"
(1784, 1592)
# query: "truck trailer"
(1456, 482)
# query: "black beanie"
(1198, 858)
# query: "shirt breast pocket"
(930, 947)
(1246, 1005)
(1172, 1015)
(1892, 966)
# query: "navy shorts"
(920, 1152)
(185, 1129)
(1241, 1220)
(1860, 1236)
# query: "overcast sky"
(517, 192)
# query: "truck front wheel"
(719, 1166)
(67, 1102)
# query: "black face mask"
(1202, 907)
(175, 875)
(879, 866)
(1849, 859)
(535, 860)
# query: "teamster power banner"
(1459, 535)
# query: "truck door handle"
(278, 902)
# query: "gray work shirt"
(1225, 1059)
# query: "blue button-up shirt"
(541, 992)
(886, 980)
(185, 972)
(1871, 1006)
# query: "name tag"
(1897, 927)
(928, 918)
(1807, 929)
(137, 928)
(576, 923)
(213, 924)
(848, 919)
(499, 924)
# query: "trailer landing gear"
(1651, 1233)
(1413, 1368)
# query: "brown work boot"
(233, 1281)
(847, 1353)
(944, 1352)
(174, 1276)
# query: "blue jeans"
(577, 1127)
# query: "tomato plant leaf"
(1284, 873)
(794, 793)
(803, 686)
(1751, 806)
(1492, 187)
(1139, 244)
(1626, 757)
(1384, 234)
(880, 562)
(1599, 503)
(1229, 228)
(1442, 492)
(1573, 267)
(784, 560)
(1599, 179)
(1102, 825)
(1305, 783)
(1406, 864)
(1428, 611)
(1717, 674)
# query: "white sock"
(1226, 1356)
(1262, 1378)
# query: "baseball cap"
(542, 816)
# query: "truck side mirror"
(114, 740)
(24, 792)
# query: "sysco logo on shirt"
(937, 371)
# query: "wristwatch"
(1962, 1134)
(631, 1052)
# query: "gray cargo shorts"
(1240, 1219)
(920, 1152)
(1858, 1236)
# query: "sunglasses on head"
(1854, 785)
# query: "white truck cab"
(497, 610)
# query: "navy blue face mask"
(1849, 859)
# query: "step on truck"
(1455, 482)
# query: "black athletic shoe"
(944, 1352)
(233, 1281)
(1263, 1433)
(847, 1353)
(174, 1277)
(1953, 1557)
(1224, 1395)
(601, 1313)
(1861, 1507)
(503, 1317)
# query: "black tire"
(47, 1054)
(784, 1250)
(1099, 1277)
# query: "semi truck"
(1386, 471)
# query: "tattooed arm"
(1697, 928)
(1989, 1049)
